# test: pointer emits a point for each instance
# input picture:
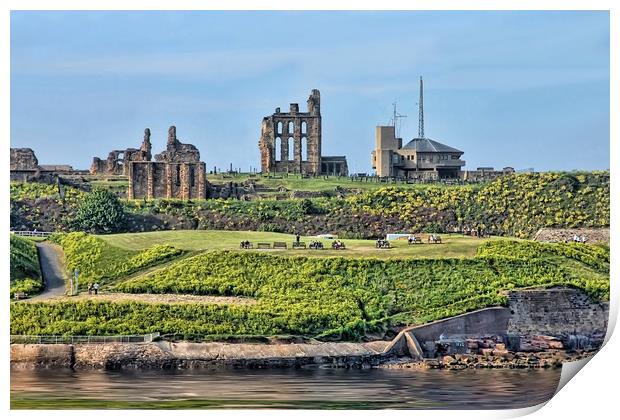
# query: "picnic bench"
(246, 245)
(434, 239)
(415, 240)
(263, 245)
(20, 295)
(279, 245)
(297, 245)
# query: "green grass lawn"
(193, 240)
(297, 183)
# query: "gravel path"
(50, 258)
(159, 298)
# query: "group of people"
(382, 243)
(245, 245)
(93, 287)
(316, 245)
(580, 238)
(337, 244)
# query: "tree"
(100, 212)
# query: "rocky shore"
(518, 360)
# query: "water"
(284, 388)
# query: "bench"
(434, 240)
(263, 245)
(20, 295)
(415, 240)
(297, 245)
(279, 245)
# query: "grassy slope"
(455, 245)
(343, 296)
(25, 273)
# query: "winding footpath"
(50, 258)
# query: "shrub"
(100, 212)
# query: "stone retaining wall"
(556, 312)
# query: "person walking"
(96, 288)
(297, 239)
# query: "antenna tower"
(421, 111)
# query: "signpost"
(76, 274)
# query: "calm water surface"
(284, 388)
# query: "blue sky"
(521, 89)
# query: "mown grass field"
(453, 246)
(294, 182)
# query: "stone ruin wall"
(296, 130)
(23, 159)
(118, 161)
(176, 173)
(184, 180)
(276, 131)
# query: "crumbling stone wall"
(291, 141)
(182, 180)
(176, 173)
(177, 151)
(23, 159)
(118, 161)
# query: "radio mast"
(421, 111)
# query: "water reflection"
(475, 389)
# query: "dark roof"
(333, 158)
(428, 145)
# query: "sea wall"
(491, 321)
(556, 312)
(539, 320)
(164, 355)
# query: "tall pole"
(421, 111)
(395, 117)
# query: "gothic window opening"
(278, 155)
(304, 149)
(291, 145)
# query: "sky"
(520, 89)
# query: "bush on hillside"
(100, 212)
